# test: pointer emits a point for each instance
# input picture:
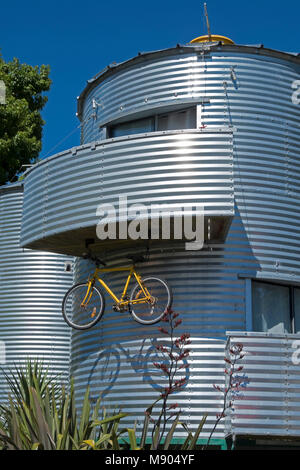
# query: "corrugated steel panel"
(123, 373)
(259, 100)
(116, 357)
(32, 285)
(269, 405)
(180, 53)
(176, 168)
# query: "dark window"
(139, 126)
(275, 308)
(297, 310)
(184, 119)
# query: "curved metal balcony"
(180, 169)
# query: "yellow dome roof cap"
(212, 38)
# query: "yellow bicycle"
(84, 303)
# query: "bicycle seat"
(137, 258)
(95, 259)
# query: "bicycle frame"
(121, 302)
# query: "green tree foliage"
(20, 118)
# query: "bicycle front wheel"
(82, 315)
(150, 312)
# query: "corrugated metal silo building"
(212, 123)
(31, 286)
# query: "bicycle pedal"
(118, 308)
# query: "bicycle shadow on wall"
(135, 361)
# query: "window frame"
(155, 118)
(249, 301)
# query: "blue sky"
(77, 39)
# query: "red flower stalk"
(233, 383)
(173, 363)
(163, 330)
(173, 406)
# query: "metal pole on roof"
(207, 22)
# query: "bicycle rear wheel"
(148, 313)
(77, 315)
